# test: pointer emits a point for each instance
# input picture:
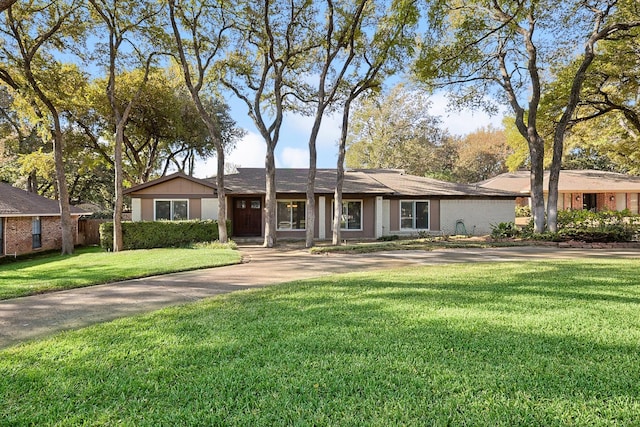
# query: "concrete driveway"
(27, 318)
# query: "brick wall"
(18, 238)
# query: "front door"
(1, 236)
(247, 217)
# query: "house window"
(36, 233)
(414, 214)
(351, 215)
(171, 210)
(1, 236)
(291, 214)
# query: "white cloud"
(461, 122)
(329, 128)
(250, 152)
(291, 157)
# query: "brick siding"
(18, 238)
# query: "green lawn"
(531, 344)
(91, 266)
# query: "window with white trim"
(351, 219)
(414, 214)
(291, 214)
(36, 233)
(171, 210)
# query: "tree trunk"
(65, 210)
(222, 196)
(118, 202)
(270, 205)
(536, 150)
(310, 220)
(337, 196)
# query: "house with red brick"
(376, 203)
(30, 222)
(577, 189)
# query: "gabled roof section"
(583, 181)
(16, 202)
(294, 181)
(177, 175)
(411, 185)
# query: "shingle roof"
(17, 202)
(584, 181)
(412, 185)
(205, 182)
(252, 181)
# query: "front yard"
(533, 343)
(92, 266)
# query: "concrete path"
(23, 319)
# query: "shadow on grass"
(436, 348)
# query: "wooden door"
(247, 217)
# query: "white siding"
(322, 217)
(633, 200)
(621, 201)
(136, 209)
(386, 217)
(477, 215)
(209, 208)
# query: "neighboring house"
(29, 222)
(376, 203)
(577, 189)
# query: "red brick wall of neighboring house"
(576, 201)
(19, 240)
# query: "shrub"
(523, 211)
(388, 238)
(589, 226)
(160, 234)
(504, 230)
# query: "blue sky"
(292, 151)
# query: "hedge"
(160, 234)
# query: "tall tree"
(33, 31)
(205, 25)
(127, 25)
(481, 154)
(339, 28)
(382, 50)
(501, 48)
(270, 45)
(396, 131)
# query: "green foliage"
(523, 211)
(504, 230)
(388, 238)
(589, 226)
(487, 344)
(160, 234)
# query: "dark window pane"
(180, 210)
(422, 215)
(163, 209)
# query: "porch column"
(379, 221)
(322, 231)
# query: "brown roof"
(387, 182)
(205, 182)
(412, 185)
(252, 181)
(17, 202)
(582, 181)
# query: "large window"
(351, 215)
(36, 232)
(291, 215)
(172, 210)
(414, 214)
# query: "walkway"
(27, 318)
